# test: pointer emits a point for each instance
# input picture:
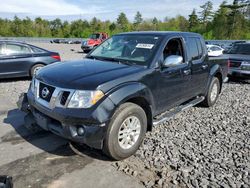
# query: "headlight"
(85, 99)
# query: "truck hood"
(85, 74)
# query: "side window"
(16, 49)
(37, 50)
(217, 49)
(193, 48)
(198, 42)
(214, 48)
(174, 47)
(1, 49)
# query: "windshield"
(240, 49)
(134, 49)
(94, 36)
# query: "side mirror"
(172, 61)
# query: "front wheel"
(126, 131)
(213, 92)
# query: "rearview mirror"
(172, 61)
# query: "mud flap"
(23, 103)
(6, 182)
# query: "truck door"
(199, 60)
(172, 81)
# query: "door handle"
(187, 72)
(204, 67)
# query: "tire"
(213, 93)
(117, 148)
(35, 68)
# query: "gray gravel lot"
(201, 147)
(67, 51)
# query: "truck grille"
(51, 96)
(46, 91)
(65, 97)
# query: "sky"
(104, 10)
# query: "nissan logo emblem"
(45, 92)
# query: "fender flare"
(130, 90)
(213, 71)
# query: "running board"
(167, 115)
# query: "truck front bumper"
(71, 124)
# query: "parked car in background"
(239, 60)
(124, 87)
(58, 41)
(93, 41)
(66, 41)
(214, 50)
(18, 59)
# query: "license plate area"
(41, 120)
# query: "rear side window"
(214, 48)
(1, 49)
(240, 49)
(195, 48)
(16, 49)
(198, 42)
(37, 50)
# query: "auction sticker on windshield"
(145, 46)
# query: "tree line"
(229, 21)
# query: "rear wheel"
(213, 92)
(35, 68)
(126, 131)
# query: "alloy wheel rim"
(36, 69)
(129, 132)
(214, 92)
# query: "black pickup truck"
(124, 87)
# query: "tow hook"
(23, 103)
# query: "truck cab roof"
(163, 33)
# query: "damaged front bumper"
(78, 125)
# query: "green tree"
(138, 19)
(206, 13)
(237, 24)
(220, 22)
(193, 21)
(56, 28)
(122, 22)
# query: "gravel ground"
(201, 147)
(67, 51)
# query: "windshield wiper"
(126, 62)
(103, 58)
(120, 61)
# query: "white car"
(214, 50)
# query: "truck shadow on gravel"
(238, 81)
(41, 169)
(45, 140)
(15, 79)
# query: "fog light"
(80, 131)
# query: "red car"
(93, 41)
